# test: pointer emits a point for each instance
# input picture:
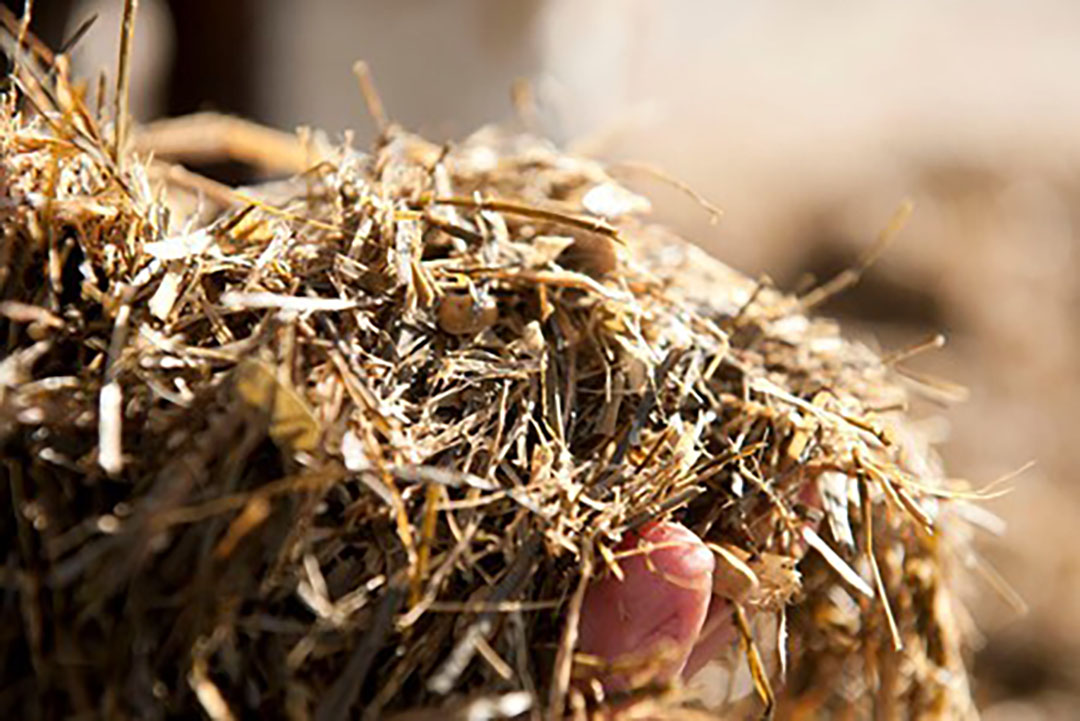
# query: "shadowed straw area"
(355, 443)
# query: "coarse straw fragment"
(122, 100)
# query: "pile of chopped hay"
(360, 440)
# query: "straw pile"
(358, 442)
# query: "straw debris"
(355, 443)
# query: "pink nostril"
(661, 601)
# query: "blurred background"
(809, 123)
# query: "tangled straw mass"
(356, 442)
